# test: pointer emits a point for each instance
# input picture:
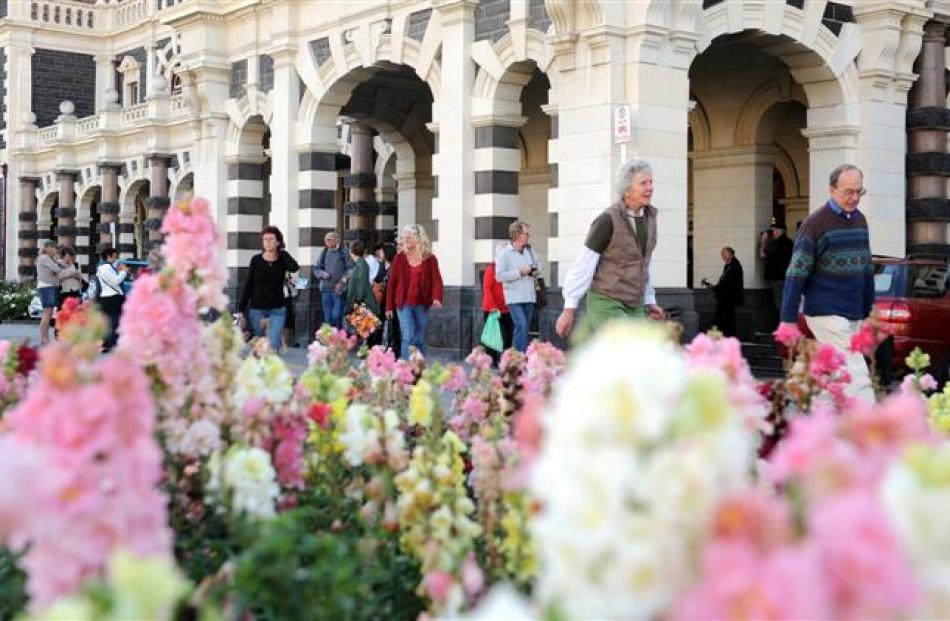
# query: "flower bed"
(638, 479)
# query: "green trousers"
(602, 309)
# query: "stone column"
(284, 160)
(497, 162)
(27, 234)
(158, 202)
(362, 208)
(553, 201)
(66, 230)
(927, 123)
(245, 216)
(106, 95)
(453, 206)
(108, 207)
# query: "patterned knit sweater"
(831, 266)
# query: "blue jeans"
(521, 317)
(332, 308)
(412, 325)
(275, 325)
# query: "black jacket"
(730, 288)
(264, 285)
(778, 254)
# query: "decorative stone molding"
(837, 137)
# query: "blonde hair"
(425, 246)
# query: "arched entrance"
(757, 99)
(87, 222)
(133, 236)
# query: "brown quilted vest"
(622, 271)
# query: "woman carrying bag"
(362, 312)
(493, 301)
(263, 294)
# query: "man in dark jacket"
(330, 271)
(776, 248)
(729, 293)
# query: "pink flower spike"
(787, 334)
(438, 584)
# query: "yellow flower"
(421, 404)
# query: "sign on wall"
(622, 124)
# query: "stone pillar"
(553, 201)
(106, 94)
(453, 205)
(27, 235)
(497, 162)
(732, 205)
(284, 160)
(65, 233)
(927, 123)
(126, 246)
(245, 216)
(158, 202)
(108, 207)
(362, 209)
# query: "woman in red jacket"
(493, 299)
(415, 285)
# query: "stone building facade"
(464, 115)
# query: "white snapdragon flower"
(267, 377)
(247, 477)
(203, 437)
(638, 449)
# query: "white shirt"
(581, 275)
(373, 264)
(111, 280)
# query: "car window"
(929, 281)
(890, 280)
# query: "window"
(132, 93)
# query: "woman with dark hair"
(263, 294)
(358, 288)
(111, 275)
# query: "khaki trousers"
(835, 330)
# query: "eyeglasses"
(852, 193)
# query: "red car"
(913, 302)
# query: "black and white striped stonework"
(245, 216)
(496, 164)
(553, 202)
(317, 182)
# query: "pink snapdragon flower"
(788, 334)
(93, 487)
(190, 250)
(380, 362)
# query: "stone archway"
(133, 234)
(752, 117)
(87, 223)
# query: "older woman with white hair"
(415, 285)
(613, 268)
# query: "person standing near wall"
(776, 249)
(613, 268)
(415, 285)
(493, 299)
(831, 268)
(71, 286)
(516, 268)
(729, 291)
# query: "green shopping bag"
(491, 333)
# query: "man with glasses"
(831, 268)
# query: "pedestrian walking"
(111, 296)
(415, 286)
(359, 290)
(775, 248)
(390, 336)
(613, 267)
(493, 299)
(49, 277)
(831, 269)
(263, 293)
(729, 292)
(516, 268)
(330, 271)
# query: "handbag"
(540, 292)
(491, 332)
